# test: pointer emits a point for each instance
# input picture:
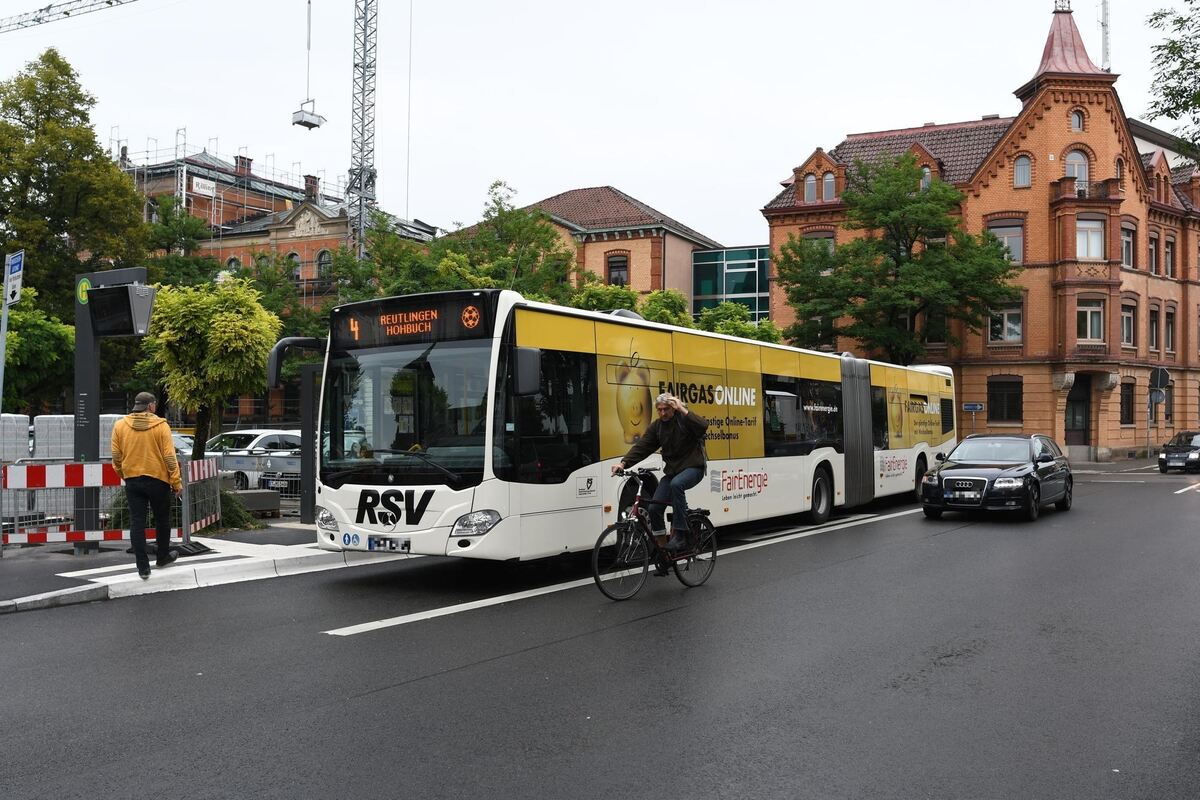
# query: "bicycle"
(623, 553)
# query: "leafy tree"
(1176, 66)
(595, 296)
(176, 231)
(668, 306)
(61, 198)
(39, 358)
(733, 319)
(912, 271)
(210, 343)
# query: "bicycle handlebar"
(637, 471)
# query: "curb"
(62, 597)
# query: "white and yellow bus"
(480, 424)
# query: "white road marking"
(1188, 488)
(798, 533)
(1139, 469)
(1118, 480)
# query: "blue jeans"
(672, 488)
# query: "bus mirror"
(529, 371)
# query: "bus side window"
(879, 417)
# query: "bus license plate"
(388, 545)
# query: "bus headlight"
(477, 523)
(325, 520)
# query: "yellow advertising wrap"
(743, 409)
(632, 362)
(699, 369)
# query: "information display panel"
(403, 320)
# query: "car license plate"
(277, 484)
(962, 495)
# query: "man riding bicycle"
(680, 434)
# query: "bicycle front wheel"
(699, 565)
(621, 560)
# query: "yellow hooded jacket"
(142, 445)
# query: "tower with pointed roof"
(1102, 211)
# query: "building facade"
(1103, 212)
(624, 241)
(735, 275)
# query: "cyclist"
(680, 434)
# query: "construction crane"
(360, 192)
(56, 11)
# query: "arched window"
(324, 263)
(810, 188)
(234, 263)
(1121, 169)
(1022, 172)
(1077, 168)
(1077, 120)
(294, 266)
(261, 261)
(827, 187)
(926, 178)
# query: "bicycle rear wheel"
(699, 565)
(621, 560)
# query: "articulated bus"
(483, 425)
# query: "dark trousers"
(673, 488)
(142, 492)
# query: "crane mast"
(56, 11)
(360, 193)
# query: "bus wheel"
(822, 497)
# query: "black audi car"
(1182, 452)
(999, 473)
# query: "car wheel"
(1162, 469)
(1065, 503)
(240, 482)
(1033, 503)
(932, 513)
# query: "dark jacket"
(681, 439)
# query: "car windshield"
(1186, 439)
(230, 441)
(992, 451)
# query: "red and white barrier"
(56, 537)
(60, 476)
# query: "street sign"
(1159, 378)
(972, 407)
(14, 270)
(1157, 396)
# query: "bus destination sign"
(383, 323)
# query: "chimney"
(312, 188)
(243, 165)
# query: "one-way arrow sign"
(14, 271)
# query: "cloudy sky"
(695, 107)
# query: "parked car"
(999, 473)
(1182, 452)
(183, 443)
(251, 442)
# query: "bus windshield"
(409, 414)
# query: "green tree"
(62, 199)
(595, 296)
(39, 357)
(210, 343)
(668, 306)
(175, 230)
(733, 319)
(1176, 67)
(912, 271)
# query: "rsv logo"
(384, 509)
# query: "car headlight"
(1193, 456)
(1162, 455)
(1008, 483)
(930, 478)
(477, 523)
(325, 520)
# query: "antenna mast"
(1106, 64)
(360, 192)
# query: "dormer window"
(1077, 120)
(810, 188)
(827, 187)
(926, 178)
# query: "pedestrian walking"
(143, 454)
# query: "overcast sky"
(696, 108)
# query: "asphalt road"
(893, 658)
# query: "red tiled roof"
(960, 147)
(606, 208)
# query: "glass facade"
(738, 275)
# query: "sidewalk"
(49, 575)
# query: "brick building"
(625, 241)
(1104, 214)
